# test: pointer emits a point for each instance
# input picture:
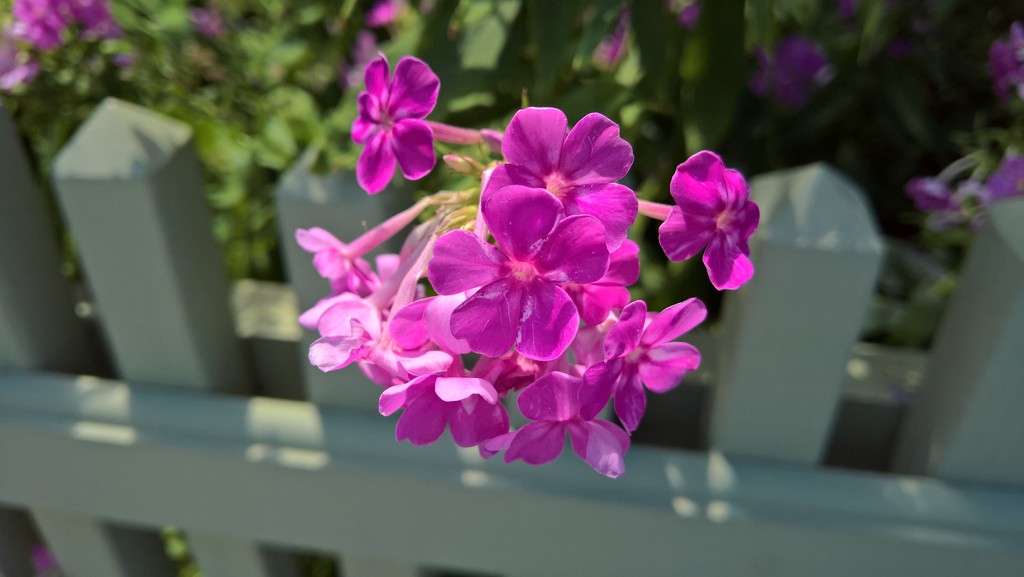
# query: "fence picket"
(88, 548)
(38, 326)
(335, 203)
(354, 565)
(788, 333)
(219, 556)
(966, 421)
(17, 536)
(130, 186)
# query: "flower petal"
(575, 251)
(683, 235)
(452, 389)
(520, 218)
(534, 139)
(601, 445)
(624, 337)
(474, 421)
(630, 399)
(613, 204)
(548, 321)
(438, 319)
(316, 239)
(333, 353)
(594, 153)
(338, 320)
(462, 262)
(398, 396)
(489, 320)
(699, 184)
(407, 326)
(728, 267)
(508, 174)
(423, 420)
(413, 89)
(599, 383)
(424, 363)
(377, 79)
(367, 123)
(623, 265)
(595, 302)
(376, 164)
(537, 443)
(553, 397)
(413, 144)
(673, 322)
(663, 367)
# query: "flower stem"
(372, 238)
(454, 134)
(654, 210)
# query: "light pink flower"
(639, 353)
(334, 262)
(520, 301)
(579, 168)
(553, 404)
(390, 122)
(713, 210)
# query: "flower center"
(523, 271)
(556, 184)
(636, 354)
(722, 222)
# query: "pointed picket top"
(794, 210)
(121, 141)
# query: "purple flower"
(384, 12)
(1008, 179)
(390, 122)
(786, 75)
(553, 404)
(931, 195)
(124, 60)
(579, 168)
(596, 300)
(43, 561)
(613, 47)
(847, 9)
(687, 12)
(16, 67)
(468, 406)
(712, 210)
(94, 17)
(334, 261)
(40, 22)
(1006, 64)
(520, 301)
(638, 353)
(207, 21)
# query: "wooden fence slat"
(219, 556)
(131, 189)
(788, 334)
(354, 565)
(88, 548)
(335, 203)
(965, 423)
(38, 326)
(17, 536)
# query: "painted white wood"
(788, 333)
(131, 189)
(17, 537)
(38, 325)
(353, 565)
(85, 547)
(333, 202)
(966, 421)
(225, 556)
(297, 475)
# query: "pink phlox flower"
(390, 122)
(334, 262)
(206, 21)
(596, 300)
(17, 68)
(578, 167)
(553, 405)
(520, 302)
(95, 18)
(429, 320)
(1008, 179)
(931, 194)
(639, 353)
(612, 48)
(788, 73)
(40, 22)
(713, 210)
(513, 372)
(1006, 64)
(384, 12)
(469, 407)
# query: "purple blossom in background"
(787, 75)
(44, 563)
(124, 60)
(94, 17)
(1008, 179)
(639, 353)
(687, 12)
(712, 209)
(384, 12)
(16, 67)
(1006, 64)
(39, 22)
(364, 51)
(207, 21)
(847, 9)
(931, 194)
(613, 47)
(579, 168)
(390, 122)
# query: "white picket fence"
(95, 467)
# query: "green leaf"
(549, 25)
(606, 13)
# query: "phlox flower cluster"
(528, 308)
(1006, 64)
(950, 200)
(789, 72)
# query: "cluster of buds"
(529, 274)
